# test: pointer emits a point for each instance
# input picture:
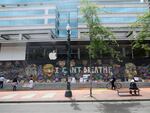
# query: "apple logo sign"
(53, 55)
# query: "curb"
(69, 101)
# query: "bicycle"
(117, 84)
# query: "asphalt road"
(73, 107)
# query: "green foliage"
(102, 41)
(143, 23)
(89, 12)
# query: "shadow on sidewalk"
(94, 98)
(74, 104)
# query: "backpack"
(133, 85)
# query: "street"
(77, 107)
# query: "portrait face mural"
(61, 63)
(130, 70)
(72, 63)
(99, 62)
(48, 70)
(31, 70)
(84, 62)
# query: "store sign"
(53, 55)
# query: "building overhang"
(121, 31)
(27, 34)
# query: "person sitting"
(133, 87)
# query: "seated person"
(133, 86)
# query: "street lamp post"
(68, 92)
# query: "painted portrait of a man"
(48, 70)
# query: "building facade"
(31, 29)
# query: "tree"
(143, 23)
(102, 41)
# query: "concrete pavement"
(80, 95)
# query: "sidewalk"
(81, 95)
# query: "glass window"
(21, 22)
(63, 33)
(64, 15)
(73, 15)
(118, 2)
(123, 10)
(114, 20)
(22, 13)
(73, 23)
(51, 11)
(118, 19)
(63, 23)
(51, 21)
(25, 1)
(74, 33)
(22, 1)
(68, 5)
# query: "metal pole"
(90, 77)
(68, 92)
(90, 69)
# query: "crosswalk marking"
(48, 95)
(9, 96)
(28, 96)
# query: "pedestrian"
(15, 83)
(133, 86)
(31, 83)
(2, 81)
(112, 81)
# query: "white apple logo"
(53, 55)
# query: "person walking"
(112, 81)
(2, 81)
(31, 83)
(15, 83)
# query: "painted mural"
(130, 70)
(78, 69)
